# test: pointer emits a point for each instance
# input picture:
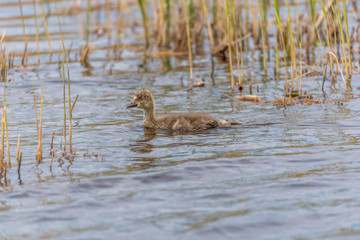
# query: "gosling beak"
(132, 105)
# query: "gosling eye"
(139, 98)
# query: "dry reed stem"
(69, 100)
(85, 53)
(2, 37)
(19, 165)
(18, 150)
(210, 32)
(189, 41)
(64, 95)
(39, 151)
(37, 32)
(7, 137)
(236, 47)
(118, 21)
(36, 116)
(320, 18)
(52, 143)
(159, 23)
(347, 33)
(24, 58)
(229, 42)
(46, 29)
(145, 23)
(73, 105)
(2, 150)
(88, 10)
(263, 43)
(328, 55)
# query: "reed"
(118, 21)
(46, 29)
(69, 99)
(108, 20)
(2, 151)
(344, 7)
(52, 143)
(343, 43)
(19, 167)
(145, 22)
(39, 152)
(168, 23)
(208, 24)
(326, 25)
(88, 11)
(64, 95)
(24, 58)
(292, 47)
(277, 16)
(7, 138)
(328, 56)
(18, 150)
(37, 32)
(186, 10)
(312, 4)
(73, 105)
(240, 74)
(4, 128)
(277, 57)
(226, 11)
(263, 26)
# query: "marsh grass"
(145, 22)
(37, 32)
(229, 37)
(39, 153)
(188, 40)
(18, 150)
(177, 26)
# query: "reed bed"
(279, 31)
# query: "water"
(284, 174)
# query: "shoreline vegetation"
(293, 40)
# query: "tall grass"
(186, 10)
(46, 29)
(277, 16)
(37, 32)
(142, 6)
(18, 151)
(24, 58)
(64, 60)
(263, 27)
(39, 153)
(88, 12)
(240, 74)
(229, 37)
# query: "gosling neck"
(150, 113)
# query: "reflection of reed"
(141, 146)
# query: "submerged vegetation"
(293, 40)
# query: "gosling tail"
(226, 123)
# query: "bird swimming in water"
(187, 122)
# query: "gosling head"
(143, 99)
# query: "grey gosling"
(188, 122)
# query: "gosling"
(186, 122)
